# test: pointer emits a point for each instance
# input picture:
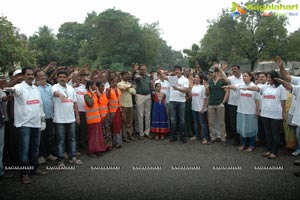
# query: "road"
(150, 169)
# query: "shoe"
(77, 153)
(156, 137)
(204, 141)
(193, 138)
(266, 154)
(75, 161)
(297, 162)
(118, 146)
(131, 138)
(297, 174)
(272, 156)
(41, 160)
(148, 136)
(51, 158)
(242, 148)
(66, 156)
(162, 137)
(126, 141)
(296, 153)
(250, 149)
(39, 172)
(25, 179)
(173, 139)
(141, 137)
(92, 155)
(183, 140)
(224, 144)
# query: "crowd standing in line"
(56, 113)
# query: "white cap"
(18, 71)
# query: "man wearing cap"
(217, 97)
(177, 103)
(28, 112)
(11, 131)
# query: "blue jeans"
(201, 119)
(251, 141)
(177, 111)
(29, 142)
(272, 127)
(65, 131)
(1, 149)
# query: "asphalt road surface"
(150, 169)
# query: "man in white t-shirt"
(295, 80)
(177, 103)
(65, 115)
(81, 129)
(28, 112)
(235, 79)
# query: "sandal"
(272, 156)
(266, 154)
(75, 161)
(242, 148)
(250, 149)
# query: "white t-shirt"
(296, 116)
(176, 95)
(80, 91)
(260, 85)
(165, 88)
(198, 96)
(64, 108)
(294, 81)
(246, 99)
(271, 101)
(28, 106)
(233, 96)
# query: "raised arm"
(285, 75)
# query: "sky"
(182, 22)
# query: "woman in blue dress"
(159, 116)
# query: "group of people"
(52, 114)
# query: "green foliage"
(292, 44)
(44, 44)
(13, 47)
(251, 36)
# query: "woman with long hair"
(272, 112)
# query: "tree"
(13, 46)
(69, 37)
(250, 36)
(44, 44)
(292, 45)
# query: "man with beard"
(28, 112)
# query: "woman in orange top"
(95, 135)
(105, 120)
(114, 109)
